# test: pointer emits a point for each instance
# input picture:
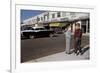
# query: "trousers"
(77, 45)
(68, 45)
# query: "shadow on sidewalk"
(84, 49)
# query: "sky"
(25, 14)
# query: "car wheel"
(31, 36)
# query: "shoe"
(68, 53)
(77, 53)
(81, 53)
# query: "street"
(45, 46)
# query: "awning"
(57, 24)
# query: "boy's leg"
(76, 45)
(79, 46)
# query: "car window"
(23, 28)
(28, 28)
(36, 28)
(39, 28)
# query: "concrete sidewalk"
(62, 57)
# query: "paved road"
(44, 46)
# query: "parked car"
(32, 32)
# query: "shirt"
(68, 34)
(78, 33)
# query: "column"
(73, 27)
(86, 26)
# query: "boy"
(77, 39)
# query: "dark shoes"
(78, 53)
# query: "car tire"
(31, 36)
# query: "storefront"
(57, 27)
(85, 26)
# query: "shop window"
(58, 14)
(41, 18)
(53, 15)
(38, 19)
(63, 14)
(88, 26)
(84, 28)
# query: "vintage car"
(32, 32)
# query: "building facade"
(54, 20)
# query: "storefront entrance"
(83, 28)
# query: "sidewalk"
(62, 57)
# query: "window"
(58, 14)
(28, 28)
(63, 14)
(72, 14)
(38, 19)
(44, 17)
(47, 15)
(39, 28)
(53, 15)
(41, 18)
(89, 26)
